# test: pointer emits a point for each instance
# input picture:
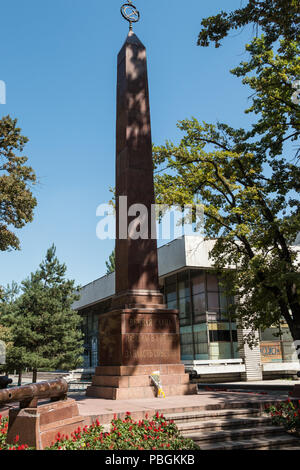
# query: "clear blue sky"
(58, 60)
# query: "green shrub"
(126, 434)
(147, 434)
(286, 414)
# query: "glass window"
(90, 322)
(201, 343)
(201, 302)
(213, 302)
(186, 341)
(171, 294)
(185, 312)
(212, 283)
(172, 305)
(183, 285)
(270, 334)
(220, 350)
(223, 303)
(170, 280)
(198, 282)
(95, 323)
(199, 307)
(218, 336)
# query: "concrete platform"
(104, 410)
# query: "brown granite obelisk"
(136, 260)
(140, 335)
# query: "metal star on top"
(130, 13)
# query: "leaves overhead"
(248, 179)
(276, 19)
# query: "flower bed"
(147, 434)
(286, 414)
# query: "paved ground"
(105, 409)
(262, 383)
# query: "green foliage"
(286, 414)
(243, 210)
(271, 74)
(245, 179)
(16, 200)
(276, 18)
(8, 297)
(154, 434)
(148, 434)
(45, 328)
(111, 263)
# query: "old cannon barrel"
(29, 394)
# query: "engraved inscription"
(140, 323)
(151, 323)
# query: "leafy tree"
(272, 74)
(278, 19)
(45, 328)
(7, 308)
(243, 209)
(246, 179)
(111, 263)
(6, 338)
(16, 200)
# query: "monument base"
(134, 343)
(296, 392)
(133, 382)
(39, 427)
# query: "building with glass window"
(211, 344)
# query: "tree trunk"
(34, 376)
(20, 379)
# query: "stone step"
(284, 441)
(206, 415)
(167, 369)
(138, 380)
(290, 448)
(234, 434)
(219, 425)
(112, 393)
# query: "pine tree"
(45, 328)
(111, 263)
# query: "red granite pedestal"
(133, 344)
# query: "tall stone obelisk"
(140, 335)
(136, 259)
